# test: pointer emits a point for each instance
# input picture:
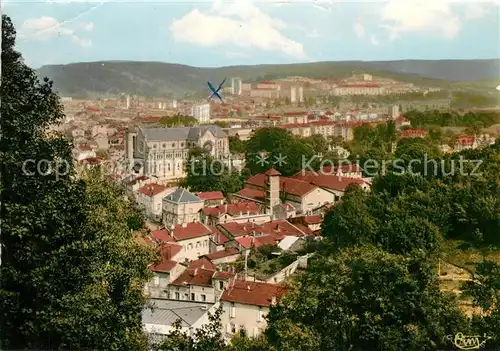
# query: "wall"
(194, 252)
(246, 316)
(316, 198)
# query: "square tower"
(272, 189)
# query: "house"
(101, 140)
(227, 255)
(465, 143)
(133, 183)
(150, 198)
(194, 237)
(414, 133)
(181, 207)
(245, 305)
(78, 132)
(401, 122)
(303, 195)
(99, 129)
(245, 211)
(343, 170)
(83, 152)
(212, 198)
(199, 284)
(159, 316)
(332, 183)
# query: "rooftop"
(252, 293)
(166, 312)
(182, 196)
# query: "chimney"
(172, 227)
(273, 300)
(248, 287)
(195, 271)
(184, 225)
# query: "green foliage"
(236, 145)
(274, 143)
(365, 299)
(178, 121)
(428, 118)
(485, 293)
(72, 274)
(205, 173)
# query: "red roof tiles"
(190, 231)
(255, 194)
(162, 235)
(329, 181)
(211, 195)
(196, 276)
(221, 254)
(152, 189)
(252, 293)
(290, 186)
(236, 209)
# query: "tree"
(276, 148)
(71, 274)
(485, 293)
(178, 121)
(205, 173)
(365, 299)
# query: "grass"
(453, 252)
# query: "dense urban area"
(298, 213)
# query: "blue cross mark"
(215, 92)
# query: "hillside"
(166, 79)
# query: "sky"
(216, 33)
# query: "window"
(232, 310)
(154, 146)
(190, 246)
(186, 296)
(243, 331)
(203, 297)
(173, 144)
(177, 296)
(182, 144)
(192, 297)
(233, 328)
(197, 244)
(259, 315)
(206, 243)
(164, 145)
(221, 285)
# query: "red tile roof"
(281, 228)
(252, 293)
(211, 195)
(162, 235)
(241, 229)
(257, 241)
(466, 140)
(328, 181)
(235, 209)
(329, 113)
(190, 231)
(196, 276)
(413, 132)
(152, 189)
(223, 253)
(168, 251)
(290, 186)
(313, 219)
(84, 148)
(91, 161)
(223, 275)
(164, 266)
(250, 193)
(202, 263)
(218, 237)
(272, 172)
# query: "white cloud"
(233, 54)
(88, 27)
(44, 28)
(374, 40)
(313, 34)
(239, 23)
(475, 11)
(359, 29)
(400, 17)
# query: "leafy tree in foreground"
(71, 274)
(485, 293)
(365, 299)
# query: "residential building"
(244, 211)
(181, 207)
(303, 195)
(465, 143)
(201, 112)
(333, 184)
(236, 86)
(245, 305)
(414, 133)
(163, 152)
(160, 315)
(212, 198)
(150, 198)
(358, 89)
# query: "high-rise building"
(201, 112)
(393, 111)
(293, 94)
(236, 86)
(301, 94)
